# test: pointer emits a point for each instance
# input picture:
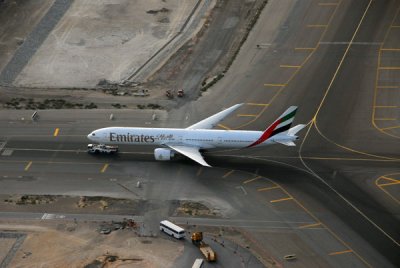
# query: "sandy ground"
(105, 39)
(185, 69)
(17, 19)
(49, 245)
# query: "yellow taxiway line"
(104, 168)
(28, 166)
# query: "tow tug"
(101, 149)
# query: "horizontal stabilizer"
(294, 130)
(287, 143)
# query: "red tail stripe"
(266, 133)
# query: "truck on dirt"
(101, 149)
(206, 250)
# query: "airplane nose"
(91, 136)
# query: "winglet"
(212, 121)
(280, 125)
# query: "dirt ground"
(188, 68)
(49, 244)
(17, 19)
(103, 40)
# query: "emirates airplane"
(192, 140)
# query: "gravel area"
(103, 40)
(34, 40)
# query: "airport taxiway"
(324, 195)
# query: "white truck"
(101, 149)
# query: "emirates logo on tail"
(282, 124)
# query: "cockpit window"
(93, 134)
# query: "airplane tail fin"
(291, 135)
(280, 125)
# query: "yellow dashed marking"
(290, 66)
(385, 119)
(304, 48)
(386, 128)
(282, 199)
(274, 85)
(390, 49)
(327, 4)
(199, 171)
(56, 132)
(389, 179)
(387, 87)
(395, 26)
(389, 183)
(267, 188)
(389, 68)
(246, 115)
(104, 168)
(386, 106)
(257, 104)
(28, 166)
(340, 252)
(310, 225)
(224, 127)
(228, 173)
(317, 25)
(253, 179)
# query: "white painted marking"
(241, 187)
(2, 144)
(7, 152)
(48, 216)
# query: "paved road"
(336, 76)
(331, 190)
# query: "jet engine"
(162, 154)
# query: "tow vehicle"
(102, 149)
(206, 250)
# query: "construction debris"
(106, 260)
(107, 227)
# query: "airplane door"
(219, 140)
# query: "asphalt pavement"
(319, 200)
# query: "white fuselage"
(201, 138)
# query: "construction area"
(106, 242)
(117, 54)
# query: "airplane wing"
(212, 121)
(191, 152)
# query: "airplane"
(192, 140)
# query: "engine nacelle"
(162, 154)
